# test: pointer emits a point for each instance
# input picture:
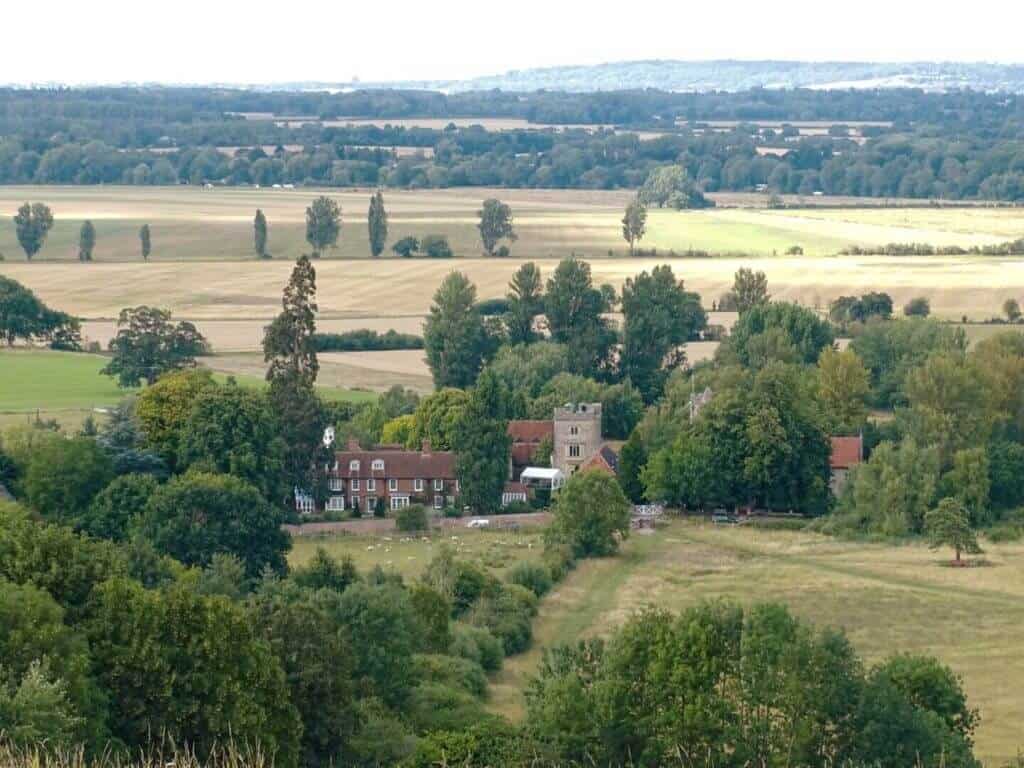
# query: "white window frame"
(392, 483)
(438, 484)
(417, 484)
(354, 502)
(438, 501)
(335, 484)
(377, 466)
(353, 466)
(371, 504)
(371, 484)
(336, 504)
(354, 484)
(399, 502)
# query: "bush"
(437, 707)
(516, 508)
(795, 250)
(478, 645)
(406, 247)
(559, 560)
(452, 511)
(436, 247)
(412, 518)
(492, 307)
(508, 617)
(503, 252)
(453, 671)
(536, 578)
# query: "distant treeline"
(365, 340)
(962, 145)
(1010, 248)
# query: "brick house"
(847, 452)
(527, 436)
(394, 475)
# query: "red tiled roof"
(846, 452)
(530, 431)
(522, 453)
(604, 459)
(398, 464)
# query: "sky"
(203, 41)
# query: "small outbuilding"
(545, 478)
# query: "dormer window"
(353, 466)
(378, 465)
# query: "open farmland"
(893, 599)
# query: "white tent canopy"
(543, 477)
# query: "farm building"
(847, 452)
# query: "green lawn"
(54, 381)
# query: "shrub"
(406, 246)
(364, 339)
(437, 707)
(516, 508)
(536, 578)
(452, 671)
(559, 560)
(503, 252)
(491, 307)
(508, 617)
(478, 645)
(795, 250)
(436, 247)
(412, 518)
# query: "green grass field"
(67, 386)
(886, 598)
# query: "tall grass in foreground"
(170, 756)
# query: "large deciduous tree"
(843, 386)
(750, 289)
(777, 331)
(669, 186)
(495, 224)
(634, 224)
(437, 417)
(197, 515)
(377, 224)
(323, 224)
(455, 338)
(948, 525)
(24, 317)
(659, 317)
(591, 514)
(163, 409)
(289, 350)
(31, 224)
(525, 302)
(575, 311)
(149, 345)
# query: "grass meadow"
(887, 599)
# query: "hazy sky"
(215, 40)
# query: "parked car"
(724, 518)
(478, 522)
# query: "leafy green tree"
(434, 611)
(843, 386)
(528, 368)
(117, 506)
(750, 289)
(575, 312)
(436, 247)
(290, 351)
(149, 345)
(1011, 308)
(632, 459)
(23, 316)
(933, 687)
(482, 446)
(1006, 474)
(34, 710)
(326, 572)
(948, 525)
(591, 514)
(44, 659)
(454, 335)
(63, 477)
(399, 431)
(969, 483)
(634, 224)
(145, 244)
(406, 246)
(192, 670)
(919, 307)
(565, 388)
(892, 491)
(86, 241)
(437, 418)
(259, 234)
(377, 222)
(32, 224)
(526, 301)
(949, 406)
(163, 409)
(890, 350)
(122, 438)
(670, 186)
(231, 430)
(316, 656)
(323, 224)
(198, 514)
(495, 224)
(799, 333)
(384, 632)
(659, 317)
(622, 407)
(224, 576)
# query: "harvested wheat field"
(363, 289)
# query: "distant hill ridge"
(725, 75)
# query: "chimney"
(425, 447)
(353, 444)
